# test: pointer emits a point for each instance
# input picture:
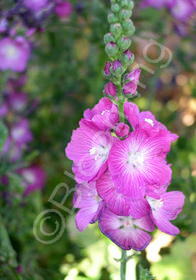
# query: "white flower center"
(11, 51)
(100, 152)
(126, 222)
(155, 204)
(29, 176)
(149, 121)
(17, 133)
(135, 159)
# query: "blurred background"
(51, 62)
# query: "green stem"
(123, 265)
(121, 102)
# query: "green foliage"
(3, 135)
(144, 274)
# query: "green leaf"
(3, 135)
(144, 274)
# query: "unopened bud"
(116, 30)
(110, 89)
(124, 43)
(127, 58)
(117, 68)
(131, 80)
(111, 49)
(128, 27)
(107, 68)
(108, 37)
(128, 4)
(115, 8)
(125, 14)
(122, 130)
(112, 18)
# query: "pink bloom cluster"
(179, 9)
(122, 174)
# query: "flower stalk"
(123, 264)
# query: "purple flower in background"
(35, 5)
(34, 178)
(3, 109)
(157, 4)
(12, 150)
(14, 54)
(182, 9)
(3, 25)
(63, 9)
(87, 199)
(21, 133)
(18, 101)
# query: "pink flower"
(21, 133)
(118, 202)
(89, 149)
(33, 178)
(164, 207)
(87, 199)
(104, 115)
(146, 121)
(63, 9)
(14, 54)
(139, 160)
(110, 89)
(127, 232)
(131, 80)
(35, 5)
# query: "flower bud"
(128, 27)
(108, 37)
(112, 18)
(116, 30)
(111, 49)
(131, 80)
(127, 4)
(127, 58)
(107, 68)
(110, 89)
(115, 8)
(122, 130)
(117, 68)
(125, 14)
(124, 43)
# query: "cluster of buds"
(117, 43)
